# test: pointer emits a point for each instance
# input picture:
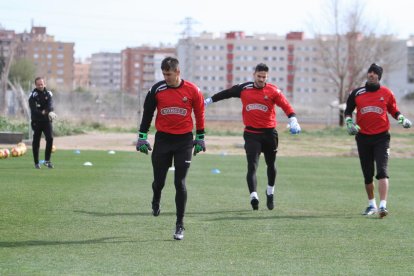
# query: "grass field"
(79, 220)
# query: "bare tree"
(4, 79)
(347, 52)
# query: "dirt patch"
(233, 145)
(289, 145)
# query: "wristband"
(142, 135)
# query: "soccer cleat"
(179, 232)
(155, 209)
(49, 164)
(255, 203)
(269, 201)
(382, 212)
(371, 210)
(37, 166)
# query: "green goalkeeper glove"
(404, 121)
(142, 144)
(352, 128)
(199, 144)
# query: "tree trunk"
(341, 118)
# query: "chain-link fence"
(125, 110)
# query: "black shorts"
(266, 142)
(373, 152)
(172, 146)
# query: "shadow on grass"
(108, 214)
(236, 215)
(293, 217)
(46, 243)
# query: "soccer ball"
(21, 145)
(16, 152)
(22, 148)
(53, 148)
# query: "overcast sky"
(103, 25)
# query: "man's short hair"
(38, 78)
(169, 64)
(261, 67)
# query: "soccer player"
(259, 117)
(42, 115)
(372, 102)
(175, 100)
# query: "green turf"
(96, 220)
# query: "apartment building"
(53, 59)
(105, 71)
(81, 74)
(218, 61)
(400, 77)
(141, 67)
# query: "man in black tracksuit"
(42, 115)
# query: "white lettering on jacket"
(256, 106)
(174, 111)
(374, 109)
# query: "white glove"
(404, 121)
(294, 126)
(208, 101)
(52, 115)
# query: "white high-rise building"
(105, 71)
(217, 61)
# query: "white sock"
(254, 195)
(383, 204)
(372, 203)
(270, 190)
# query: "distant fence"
(105, 107)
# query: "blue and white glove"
(294, 126)
(199, 144)
(404, 121)
(352, 128)
(142, 144)
(208, 101)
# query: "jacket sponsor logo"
(174, 111)
(374, 109)
(256, 106)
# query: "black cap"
(376, 69)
